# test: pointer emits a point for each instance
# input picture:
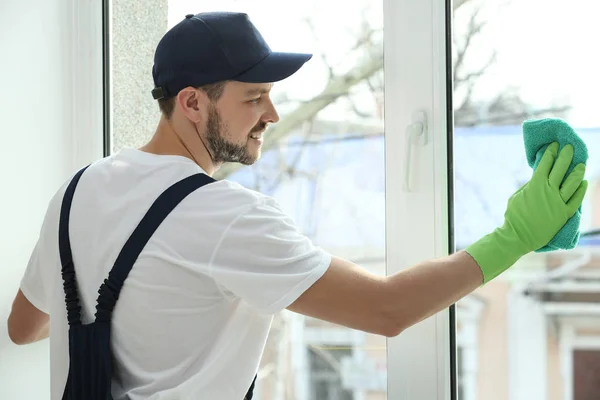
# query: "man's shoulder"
(229, 192)
(235, 205)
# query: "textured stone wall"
(137, 27)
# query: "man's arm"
(27, 324)
(350, 296)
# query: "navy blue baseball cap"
(216, 46)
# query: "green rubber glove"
(534, 214)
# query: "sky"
(545, 48)
(549, 49)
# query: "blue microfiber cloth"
(538, 134)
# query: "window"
(404, 199)
(328, 149)
(460, 374)
(506, 71)
(586, 374)
(536, 327)
(469, 310)
(326, 372)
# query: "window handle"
(416, 135)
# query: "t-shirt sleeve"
(37, 280)
(265, 260)
(32, 283)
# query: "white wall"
(36, 155)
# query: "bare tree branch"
(513, 117)
(337, 87)
(289, 170)
(474, 28)
(365, 38)
(326, 62)
(327, 357)
(308, 110)
(457, 3)
(474, 75)
(467, 100)
(355, 109)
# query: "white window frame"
(88, 85)
(417, 225)
(417, 222)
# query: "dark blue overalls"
(90, 356)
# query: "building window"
(460, 375)
(586, 374)
(325, 372)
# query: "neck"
(167, 141)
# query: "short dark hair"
(214, 91)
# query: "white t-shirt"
(194, 314)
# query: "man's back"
(189, 321)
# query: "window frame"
(418, 77)
(89, 88)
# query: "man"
(194, 313)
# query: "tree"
(505, 108)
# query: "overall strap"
(164, 204)
(111, 288)
(66, 257)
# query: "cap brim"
(275, 67)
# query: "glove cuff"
(497, 251)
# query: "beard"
(223, 150)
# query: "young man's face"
(236, 122)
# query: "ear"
(192, 102)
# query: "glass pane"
(323, 162)
(520, 335)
